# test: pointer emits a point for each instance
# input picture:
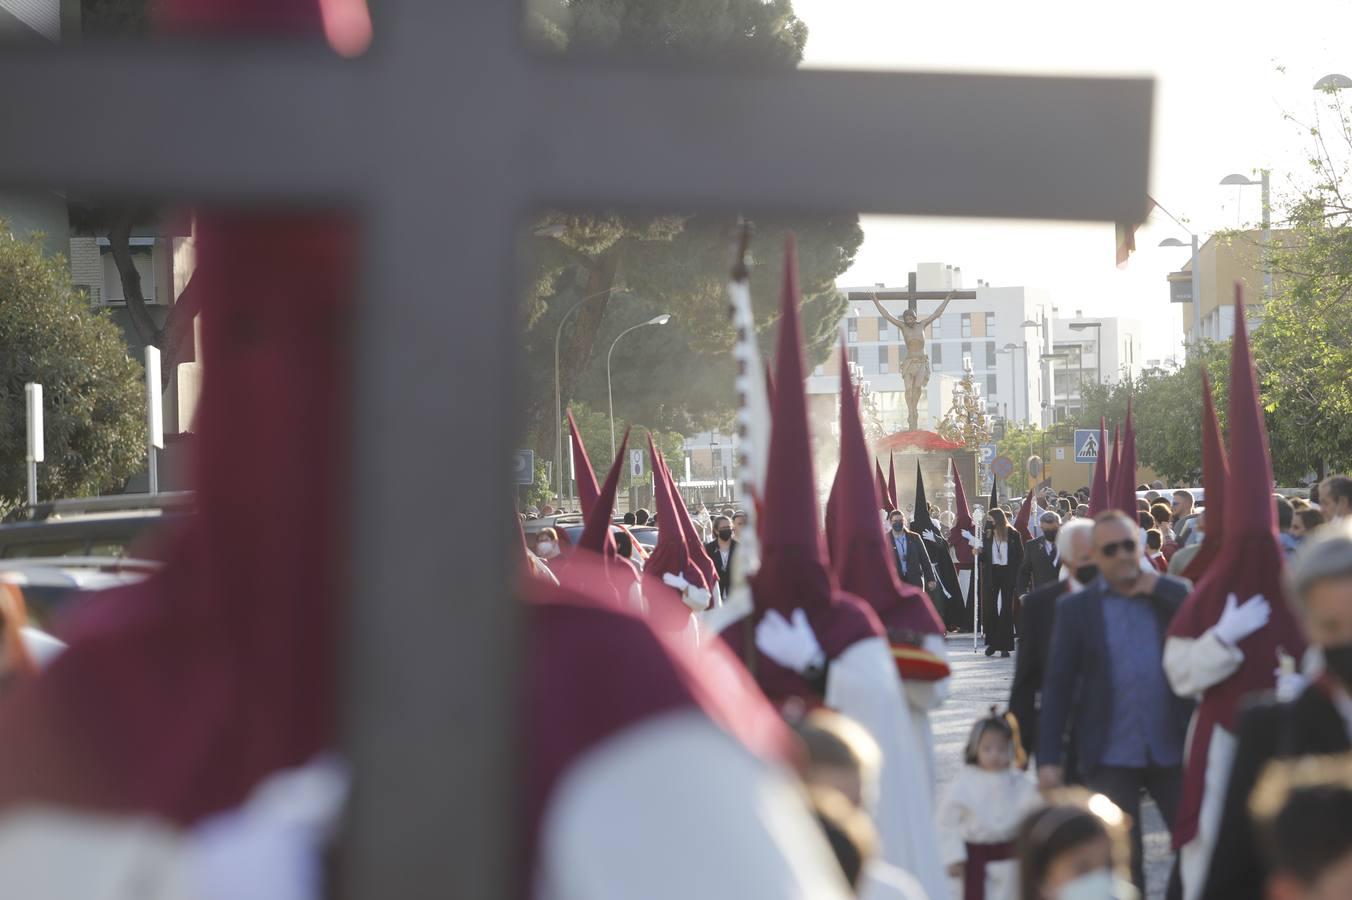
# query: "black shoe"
(1004, 654)
(990, 651)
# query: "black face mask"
(898, 527)
(725, 534)
(1049, 535)
(1086, 574)
(1338, 661)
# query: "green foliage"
(93, 395)
(678, 377)
(594, 427)
(1167, 410)
(1019, 443)
(1304, 347)
(761, 33)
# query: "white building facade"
(1099, 349)
(989, 331)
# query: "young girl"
(1077, 847)
(980, 812)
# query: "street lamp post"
(1264, 181)
(1196, 287)
(1044, 373)
(1014, 373)
(1098, 344)
(558, 392)
(1065, 362)
(663, 319)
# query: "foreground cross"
(444, 137)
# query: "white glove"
(673, 580)
(695, 597)
(970, 537)
(1239, 621)
(929, 535)
(792, 645)
(272, 847)
(1290, 685)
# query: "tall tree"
(672, 262)
(93, 399)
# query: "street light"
(1098, 343)
(1010, 348)
(663, 319)
(1334, 82)
(1043, 376)
(1065, 360)
(1196, 286)
(558, 393)
(1264, 182)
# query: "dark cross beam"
(445, 137)
(910, 295)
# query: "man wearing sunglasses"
(1105, 682)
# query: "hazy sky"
(1219, 104)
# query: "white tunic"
(1193, 666)
(982, 807)
(862, 683)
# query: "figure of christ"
(915, 368)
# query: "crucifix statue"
(915, 368)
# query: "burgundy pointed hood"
(1114, 464)
(883, 499)
(669, 557)
(694, 547)
(859, 553)
(961, 548)
(596, 535)
(892, 481)
(1250, 562)
(1098, 488)
(794, 573)
(1215, 476)
(1022, 519)
(1125, 467)
(583, 473)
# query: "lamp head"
(1238, 179)
(660, 320)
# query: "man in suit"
(1075, 545)
(1105, 679)
(720, 551)
(1310, 723)
(908, 549)
(1041, 562)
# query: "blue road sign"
(523, 466)
(1087, 447)
(988, 453)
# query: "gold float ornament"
(966, 421)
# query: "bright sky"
(1219, 102)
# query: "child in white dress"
(980, 812)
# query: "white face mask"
(544, 548)
(1100, 885)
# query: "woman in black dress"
(1001, 555)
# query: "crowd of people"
(740, 709)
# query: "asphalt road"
(980, 681)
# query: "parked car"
(90, 527)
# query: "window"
(990, 324)
(990, 385)
(967, 350)
(936, 327)
(854, 355)
(883, 325)
(937, 355)
(883, 366)
(852, 330)
(966, 324)
(990, 354)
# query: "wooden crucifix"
(444, 137)
(915, 367)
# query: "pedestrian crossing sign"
(1087, 445)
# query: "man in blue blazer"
(1105, 675)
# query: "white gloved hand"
(695, 597)
(792, 645)
(1290, 685)
(970, 537)
(929, 535)
(674, 580)
(1238, 621)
